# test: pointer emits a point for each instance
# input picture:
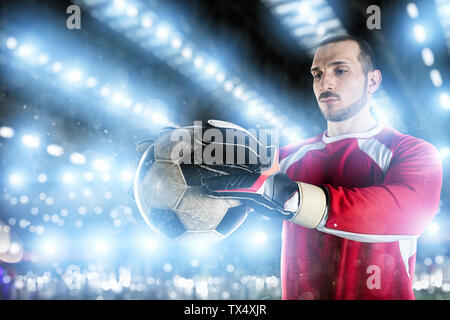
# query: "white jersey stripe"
(299, 154)
(366, 237)
(407, 249)
(377, 151)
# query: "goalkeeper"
(355, 198)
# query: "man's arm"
(400, 207)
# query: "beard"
(347, 112)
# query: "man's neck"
(360, 122)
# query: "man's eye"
(317, 76)
(340, 71)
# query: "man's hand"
(274, 194)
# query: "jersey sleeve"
(398, 208)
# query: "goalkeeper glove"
(272, 194)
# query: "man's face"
(339, 83)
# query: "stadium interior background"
(74, 103)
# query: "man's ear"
(373, 81)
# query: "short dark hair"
(366, 56)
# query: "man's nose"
(327, 82)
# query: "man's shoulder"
(402, 142)
(294, 146)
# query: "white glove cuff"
(313, 205)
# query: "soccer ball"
(172, 201)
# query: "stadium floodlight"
(210, 69)
(187, 53)
(228, 85)
(238, 92)
(11, 43)
(6, 132)
(88, 176)
(101, 165)
(31, 141)
(127, 175)
(43, 58)
(71, 75)
(412, 10)
(199, 62)
(91, 82)
(427, 56)
(101, 246)
(25, 51)
(49, 246)
(105, 91)
(444, 152)
(147, 22)
(153, 29)
(176, 43)
(304, 9)
(119, 4)
(158, 118)
(131, 11)
(220, 77)
(445, 100)
(117, 97)
(138, 108)
(150, 244)
(74, 75)
(56, 67)
(433, 228)
(436, 78)
(127, 103)
(55, 150)
(419, 33)
(443, 10)
(16, 179)
(307, 21)
(68, 178)
(77, 158)
(42, 178)
(162, 32)
(259, 238)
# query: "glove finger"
(236, 183)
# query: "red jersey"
(383, 189)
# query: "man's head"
(344, 76)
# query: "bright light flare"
(259, 238)
(25, 51)
(56, 67)
(445, 100)
(55, 150)
(31, 141)
(68, 178)
(101, 247)
(101, 165)
(162, 32)
(433, 228)
(16, 179)
(186, 53)
(127, 175)
(74, 75)
(49, 247)
(11, 43)
(420, 33)
(444, 152)
(6, 132)
(77, 158)
(412, 10)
